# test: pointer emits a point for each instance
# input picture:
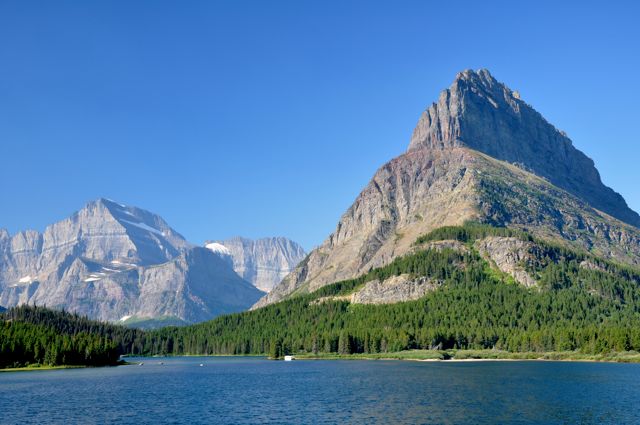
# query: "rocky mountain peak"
(481, 77)
(141, 234)
(482, 114)
(478, 154)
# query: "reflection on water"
(253, 390)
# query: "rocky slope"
(479, 154)
(483, 114)
(263, 262)
(110, 261)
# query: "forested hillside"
(39, 336)
(579, 302)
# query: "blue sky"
(268, 118)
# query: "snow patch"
(144, 227)
(218, 248)
(117, 203)
(125, 318)
(118, 262)
(26, 279)
(92, 279)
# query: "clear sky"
(267, 118)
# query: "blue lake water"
(236, 390)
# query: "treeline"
(32, 335)
(24, 344)
(592, 307)
(127, 340)
(470, 232)
(581, 303)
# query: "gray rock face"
(449, 176)
(509, 255)
(263, 262)
(483, 114)
(394, 290)
(110, 261)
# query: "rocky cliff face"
(110, 261)
(483, 114)
(263, 262)
(479, 154)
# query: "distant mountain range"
(120, 263)
(263, 262)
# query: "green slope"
(580, 302)
(38, 336)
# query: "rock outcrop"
(110, 261)
(393, 290)
(510, 255)
(479, 154)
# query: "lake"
(237, 390)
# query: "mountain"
(480, 154)
(114, 262)
(482, 114)
(471, 287)
(263, 262)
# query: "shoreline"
(40, 368)
(59, 367)
(449, 356)
(428, 356)
(465, 356)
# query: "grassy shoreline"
(482, 355)
(451, 356)
(446, 356)
(35, 367)
(39, 367)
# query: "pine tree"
(275, 349)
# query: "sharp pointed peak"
(481, 79)
(469, 73)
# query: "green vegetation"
(23, 344)
(458, 355)
(582, 308)
(33, 367)
(582, 303)
(36, 337)
(153, 323)
(471, 232)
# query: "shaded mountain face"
(263, 262)
(479, 154)
(110, 261)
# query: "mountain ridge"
(110, 261)
(483, 114)
(442, 181)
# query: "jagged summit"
(142, 234)
(480, 154)
(483, 114)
